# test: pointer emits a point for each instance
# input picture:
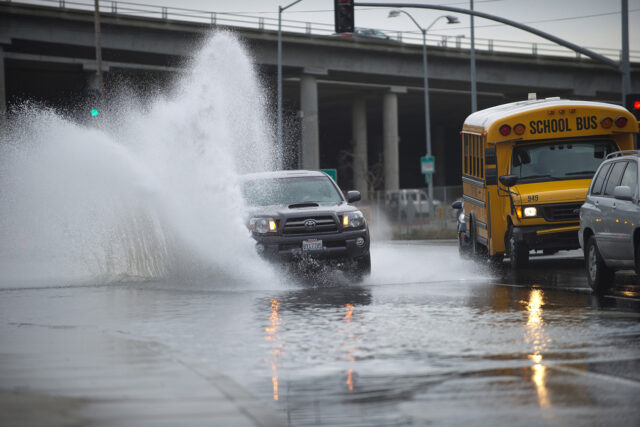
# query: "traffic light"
(632, 103)
(344, 16)
(93, 102)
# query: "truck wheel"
(361, 268)
(518, 251)
(600, 276)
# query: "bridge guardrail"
(241, 20)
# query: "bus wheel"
(599, 276)
(518, 251)
(463, 251)
(479, 252)
(495, 261)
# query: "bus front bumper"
(545, 237)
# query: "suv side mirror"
(622, 192)
(457, 204)
(353, 196)
(508, 180)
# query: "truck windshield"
(292, 190)
(559, 160)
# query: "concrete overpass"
(359, 103)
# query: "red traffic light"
(632, 103)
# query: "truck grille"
(561, 212)
(323, 224)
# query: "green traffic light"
(94, 112)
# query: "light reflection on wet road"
(429, 339)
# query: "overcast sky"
(588, 23)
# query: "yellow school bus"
(526, 169)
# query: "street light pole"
(279, 60)
(96, 25)
(427, 120)
(472, 59)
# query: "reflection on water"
(272, 335)
(347, 318)
(535, 335)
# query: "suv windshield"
(559, 160)
(289, 191)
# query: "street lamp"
(279, 59)
(450, 20)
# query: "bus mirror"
(457, 204)
(490, 157)
(520, 157)
(491, 176)
(508, 180)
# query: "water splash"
(147, 194)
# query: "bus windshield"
(559, 160)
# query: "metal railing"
(240, 20)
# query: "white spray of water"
(150, 194)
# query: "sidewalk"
(60, 375)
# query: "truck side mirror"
(353, 196)
(622, 192)
(508, 180)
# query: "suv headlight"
(263, 225)
(353, 220)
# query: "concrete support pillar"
(310, 125)
(390, 141)
(3, 90)
(360, 160)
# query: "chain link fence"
(404, 214)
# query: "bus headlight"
(530, 211)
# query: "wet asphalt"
(428, 339)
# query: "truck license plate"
(311, 245)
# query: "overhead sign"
(333, 173)
(428, 165)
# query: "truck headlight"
(263, 225)
(530, 211)
(353, 220)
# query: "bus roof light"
(519, 129)
(621, 121)
(606, 122)
(505, 130)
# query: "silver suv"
(610, 220)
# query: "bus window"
(559, 160)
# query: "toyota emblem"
(310, 224)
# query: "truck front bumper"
(342, 245)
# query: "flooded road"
(429, 339)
